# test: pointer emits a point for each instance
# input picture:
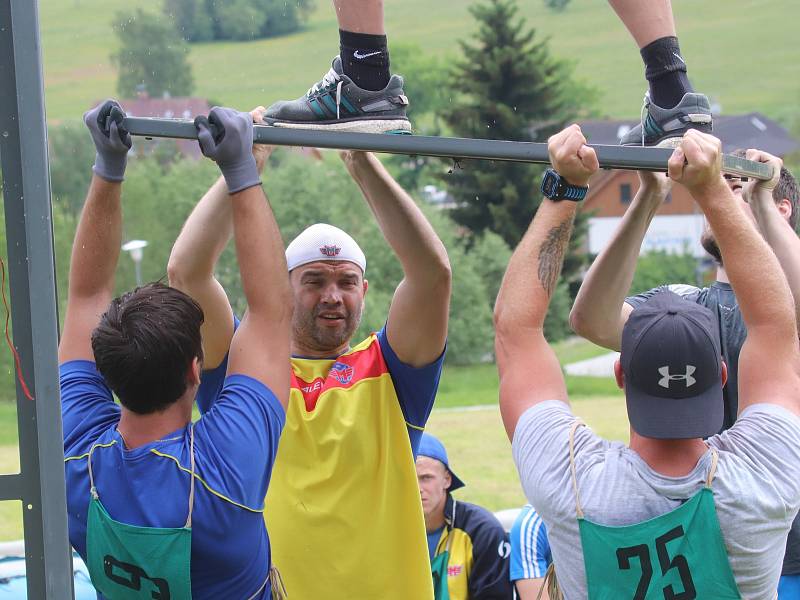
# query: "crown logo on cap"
(330, 250)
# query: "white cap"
(324, 242)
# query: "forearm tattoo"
(551, 255)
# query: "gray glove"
(226, 137)
(111, 141)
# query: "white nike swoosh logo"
(359, 56)
(678, 56)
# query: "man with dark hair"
(670, 515)
(601, 308)
(344, 508)
(159, 505)
(467, 546)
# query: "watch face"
(550, 184)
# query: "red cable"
(24, 385)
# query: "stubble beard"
(308, 334)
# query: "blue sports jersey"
(789, 587)
(530, 548)
(235, 445)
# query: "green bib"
(439, 571)
(677, 556)
(129, 562)
(680, 555)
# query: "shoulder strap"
(550, 584)
(712, 470)
(191, 477)
(575, 425)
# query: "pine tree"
(509, 87)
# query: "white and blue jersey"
(530, 548)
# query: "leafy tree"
(71, 157)
(240, 20)
(284, 17)
(192, 19)
(659, 267)
(203, 20)
(507, 81)
(152, 54)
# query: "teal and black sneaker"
(336, 103)
(664, 127)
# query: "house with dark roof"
(679, 222)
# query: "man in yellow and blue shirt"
(343, 508)
(467, 545)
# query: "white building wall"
(673, 233)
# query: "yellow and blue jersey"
(343, 509)
(234, 446)
(477, 567)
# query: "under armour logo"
(687, 377)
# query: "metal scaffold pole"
(29, 243)
(610, 157)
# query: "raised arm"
(96, 248)
(600, 311)
(195, 254)
(529, 369)
(260, 346)
(417, 324)
(769, 362)
(771, 220)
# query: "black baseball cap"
(673, 373)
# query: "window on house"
(625, 195)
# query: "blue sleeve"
(239, 436)
(530, 548)
(87, 405)
(415, 388)
(211, 381)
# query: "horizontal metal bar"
(610, 157)
(11, 487)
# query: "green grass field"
(466, 418)
(740, 52)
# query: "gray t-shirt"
(756, 489)
(721, 300)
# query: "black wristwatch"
(556, 187)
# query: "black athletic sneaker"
(664, 127)
(336, 103)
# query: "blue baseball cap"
(432, 448)
(673, 369)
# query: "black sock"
(665, 69)
(365, 59)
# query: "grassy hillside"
(741, 52)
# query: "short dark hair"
(144, 345)
(787, 188)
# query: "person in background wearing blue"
(467, 545)
(157, 505)
(530, 554)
